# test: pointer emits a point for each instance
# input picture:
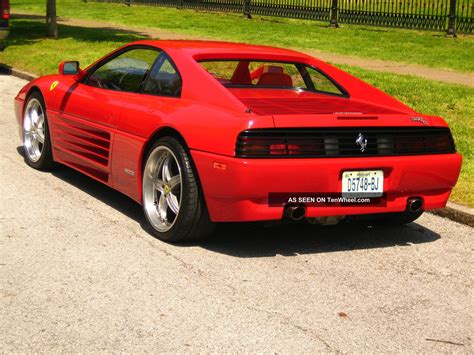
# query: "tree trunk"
(51, 21)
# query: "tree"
(51, 20)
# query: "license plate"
(367, 183)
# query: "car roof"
(208, 48)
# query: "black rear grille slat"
(341, 142)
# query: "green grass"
(431, 49)
(28, 50)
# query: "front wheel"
(172, 200)
(36, 138)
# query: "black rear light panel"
(341, 142)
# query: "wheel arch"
(33, 89)
(30, 91)
(165, 131)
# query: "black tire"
(192, 221)
(45, 160)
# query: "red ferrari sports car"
(203, 132)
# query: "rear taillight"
(5, 9)
(273, 146)
(433, 144)
(277, 149)
(277, 145)
(342, 142)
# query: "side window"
(224, 71)
(164, 79)
(322, 83)
(125, 72)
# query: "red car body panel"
(104, 134)
(244, 196)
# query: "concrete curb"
(4, 69)
(458, 213)
(452, 211)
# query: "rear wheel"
(172, 200)
(36, 138)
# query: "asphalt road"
(78, 272)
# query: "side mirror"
(69, 68)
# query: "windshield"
(270, 75)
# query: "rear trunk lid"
(292, 108)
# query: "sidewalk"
(447, 76)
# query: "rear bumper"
(237, 189)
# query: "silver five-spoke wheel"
(34, 130)
(162, 188)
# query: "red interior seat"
(273, 69)
(275, 79)
(241, 74)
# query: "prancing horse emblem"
(362, 142)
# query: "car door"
(84, 133)
(142, 114)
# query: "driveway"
(78, 272)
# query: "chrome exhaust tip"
(294, 212)
(414, 204)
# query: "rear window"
(270, 75)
